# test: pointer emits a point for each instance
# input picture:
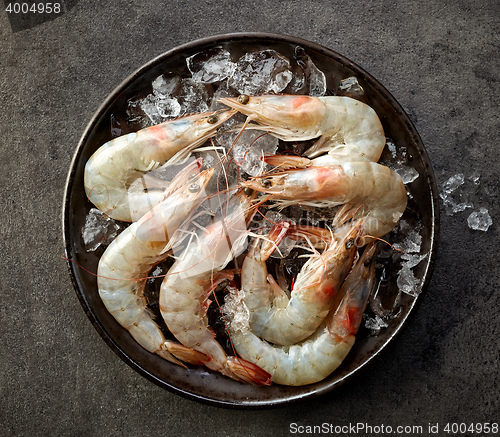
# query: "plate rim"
(262, 37)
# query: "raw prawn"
(348, 129)
(185, 290)
(365, 189)
(274, 316)
(113, 168)
(125, 264)
(318, 356)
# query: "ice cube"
(350, 87)
(261, 72)
(453, 183)
(408, 174)
(99, 230)
(210, 66)
(375, 324)
(411, 244)
(167, 85)
(249, 150)
(193, 96)
(391, 146)
(168, 108)
(453, 200)
(413, 260)
(236, 310)
(407, 282)
(313, 76)
(480, 220)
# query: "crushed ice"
(410, 258)
(249, 150)
(480, 220)
(99, 230)
(211, 66)
(261, 73)
(375, 324)
(456, 193)
(400, 162)
(235, 307)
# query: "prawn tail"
(245, 371)
(285, 162)
(179, 354)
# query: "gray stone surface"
(440, 59)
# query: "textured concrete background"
(440, 59)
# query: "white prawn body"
(315, 358)
(125, 264)
(112, 170)
(348, 129)
(365, 190)
(185, 291)
(284, 320)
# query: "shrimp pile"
(290, 335)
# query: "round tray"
(199, 383)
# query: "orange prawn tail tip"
(288, 117)
(244, 371)
(273, 239)
(181, 354)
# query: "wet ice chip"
(235, 308)
(193, 97)
(166, 85)
(261, 72)
(168, 108)
(452, 183)
(148, 106)
(312, 75)
(453, 200)
(391, 146)
(211, 66)
(413, 260)
(411, 244)
(480, 220)
(407, 282)
(375, 324)
(98, 230)
(350, 87)
(249, 150)
(475, 178)
(224, 91)
(408, 174)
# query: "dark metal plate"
(199, 383)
